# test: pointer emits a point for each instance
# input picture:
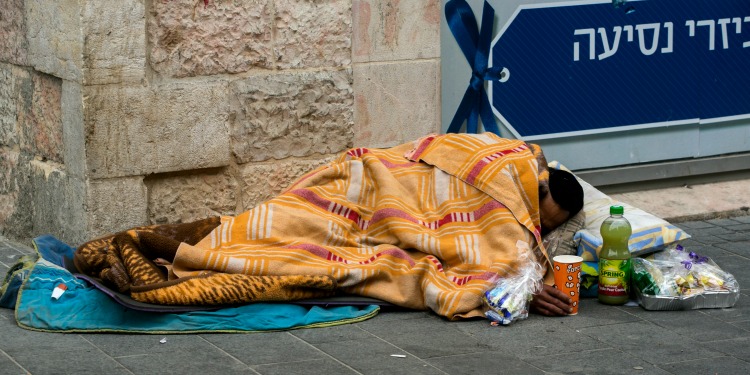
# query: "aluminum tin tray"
(708, 300)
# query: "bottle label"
(614, 275)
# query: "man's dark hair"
(566, 190)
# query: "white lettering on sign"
(648, 36)
(609, 49)
(655, 42)
(725, 30)
(737, 27)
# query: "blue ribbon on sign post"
(475, 46)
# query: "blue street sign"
(589, 67)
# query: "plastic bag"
(509, 299)
(679, 273)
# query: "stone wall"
(117, 113)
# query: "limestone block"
(9, 163)
(44, 121)
(74, 147)
(188, 39)
(57, 202)
(135, 130)
(15, 194)
(35, 197)
(38, 197)
(386, 30)
(189, 197)
(115, 42)
(30, 112)
(13, 46)
(263, 181)
(115, 204)
(54, 37)
(11, 81)
(313, 33)
(291, 114)
(396, 102)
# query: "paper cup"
(567, 271)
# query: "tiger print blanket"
(137, 262)
(425, 225)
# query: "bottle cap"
(616, 210)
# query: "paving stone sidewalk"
(599, 340)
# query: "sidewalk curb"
(742, 211)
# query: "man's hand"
(551, 302)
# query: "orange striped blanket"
(425, 225)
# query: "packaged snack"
(680, 280)
(509, 299)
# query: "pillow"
(561, 240)
(650, 233)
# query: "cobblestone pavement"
(599, 340)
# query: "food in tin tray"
(678, 279)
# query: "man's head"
(563, 200)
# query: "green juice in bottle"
(614, 258)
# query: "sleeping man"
(430, 224)
(560, 199)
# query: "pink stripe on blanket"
(465, 217)
(491, 276)
(491, 205)
(357, 152)
(322, 252)
(325, 204)
(436, 262)
(391, 212)
(488, 159)
(316, 250)
(312, 198)
(391, 165)
(351, 214)
(417, 152)
(337, 209)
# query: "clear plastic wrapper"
(681, 280)
(509, 299)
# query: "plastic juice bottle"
(614, 258)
